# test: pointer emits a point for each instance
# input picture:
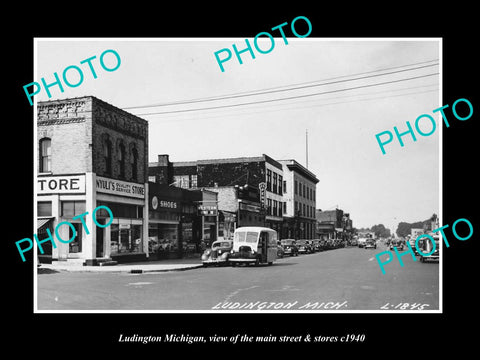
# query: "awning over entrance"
(42, 223)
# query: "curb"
(113, 269)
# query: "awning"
(42, 223)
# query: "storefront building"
(182, 223)
(255, 184)
(299, 194)
(91, 153)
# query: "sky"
(342, 91)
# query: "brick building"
(255, 182)
(299, 194)
(91, 153)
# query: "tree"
(380, 231)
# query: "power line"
(309, 107)
(288, 98)
(291, 87)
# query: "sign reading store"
(62, 184)
(122, 188)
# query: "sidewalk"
(135, 267)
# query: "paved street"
(340, 279)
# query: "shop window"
(45, 155)
(284, 207)
(134, 164)
(72, 208)
(125, 238)
(75, 246)
(44, 208)
(303, 212)
(275, 206)
(269, 206)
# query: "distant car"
(280, 250)
(361, 242)
(289, 247)
(317, 245)
(370, 244)
(396, 244)
(304, 247)
(218, 254)
(353, 242)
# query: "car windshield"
(301, 242)
(287, 242)
(221, 244)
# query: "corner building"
(91, 153)
(299, 193)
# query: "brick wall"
(120, 128)
(68, 125)
(228, 174)
(77, 128)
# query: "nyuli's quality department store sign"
(118, 187)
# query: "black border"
(95, 334)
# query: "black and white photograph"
(278, 182)
(219, 182)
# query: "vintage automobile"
(280, 250)
(289, 247)
(396, 243)
(426, 247)
(304, 247)
(317, 246)
(253, 245)
(370, 244)
(218, 254)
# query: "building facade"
(182, 222)
(255, 184)
(90, 153)
(299, 196)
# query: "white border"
(35, 273)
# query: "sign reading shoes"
(118, 187)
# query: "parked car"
(361, 242)
(280, 250)
(304, 247)
(426, 247)
(218, 254)
(370, 244)
(317, 246)
(289, 247)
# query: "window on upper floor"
(45, 155)
(107, 155)
(134, 163)
(121, 160)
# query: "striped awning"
(42, 223)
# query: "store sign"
(118, 187)
(248, 207)
(263, 190)
(71, 184)
(207, 210)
